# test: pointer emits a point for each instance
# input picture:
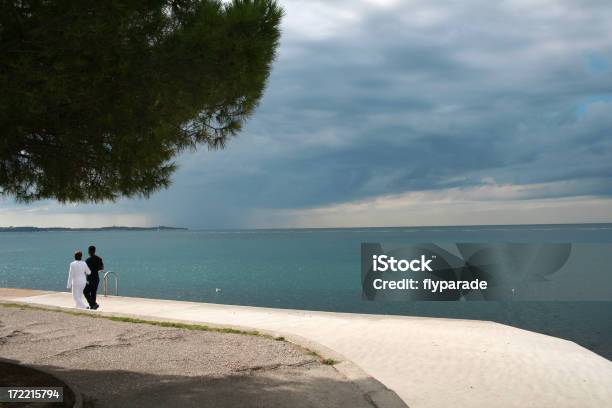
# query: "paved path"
(116, 364)
(428, 362)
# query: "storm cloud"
(377, 99)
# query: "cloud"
(372, 99)
(496, 204)
(54, 216)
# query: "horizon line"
(300, 228)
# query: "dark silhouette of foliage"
(98, 97)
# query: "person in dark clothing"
(95, 264)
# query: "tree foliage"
(98, 97)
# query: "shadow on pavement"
(280, 387)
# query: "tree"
(98, 97)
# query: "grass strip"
(174, 325)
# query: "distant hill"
(38, 229)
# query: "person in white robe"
(77, 279)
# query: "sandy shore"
(125, 364)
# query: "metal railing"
(106, 278)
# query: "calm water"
(298, 269)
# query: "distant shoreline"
(607, 225)
(114, 228)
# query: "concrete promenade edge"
(427, 362)
(372, 389)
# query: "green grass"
(174, 325)
(326, 361)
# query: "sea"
(308, 269)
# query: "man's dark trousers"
(91, 290)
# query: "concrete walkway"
(428, 362)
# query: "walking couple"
(83, 278)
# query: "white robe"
(77, 279)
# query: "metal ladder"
(106, 278)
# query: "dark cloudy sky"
(422, 112)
